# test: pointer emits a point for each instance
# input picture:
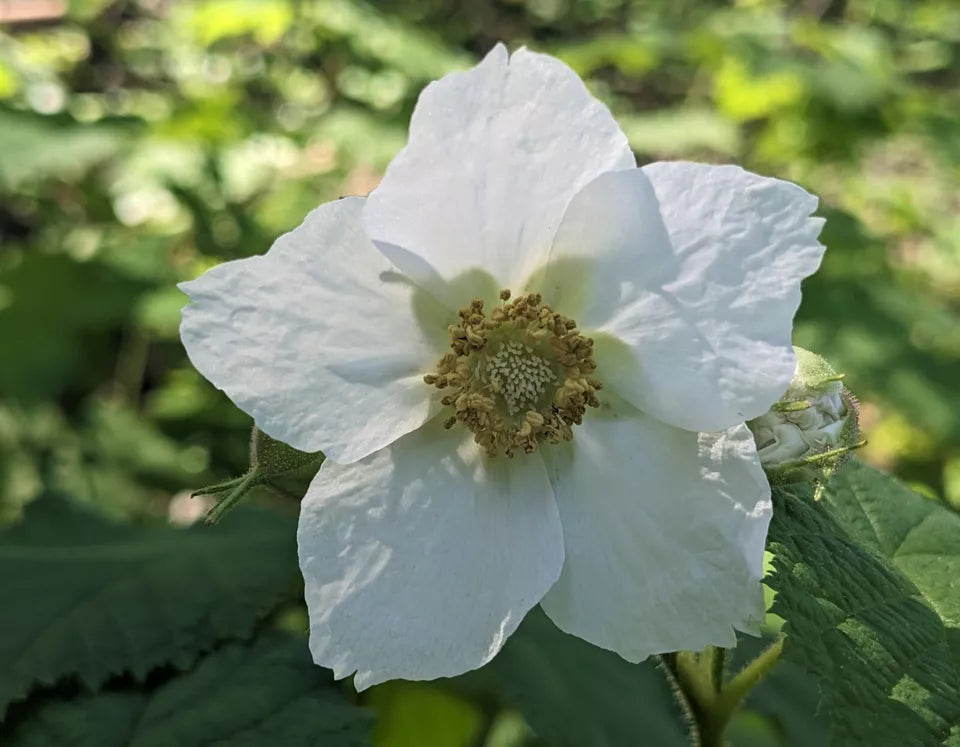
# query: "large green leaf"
(574, 694)
(919, 536)
(879, 651)
(241, 696)
(86, 598)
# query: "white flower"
(642, 530)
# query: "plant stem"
(668, 665)
(707, 700)
(718, 661)
(696, 676)
(745, 680)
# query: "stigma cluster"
(517, 377)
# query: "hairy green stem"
(243, 486)
(718, 662)
(708, 702)
(695, 674)
(668, 665)
(746, 679)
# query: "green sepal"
(272, 463)
(802, 404)
(813, 370)
(273, 458)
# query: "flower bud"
(812, 429)
(272, 464)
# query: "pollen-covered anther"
(516, 377)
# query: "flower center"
(520, 376)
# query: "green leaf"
(919, 536)
(86, 598)
(880, 653)
(34, 146)
(573, 693)
(241, 696)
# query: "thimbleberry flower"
(528, 363)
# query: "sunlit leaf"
(879, 651)
(919, 536)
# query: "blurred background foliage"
(143, 141)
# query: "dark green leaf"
(241, 696)
(574, 694)
(879, 651)
(919, 536)
(86, 598)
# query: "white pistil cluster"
(518, 375)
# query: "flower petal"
(420, 560)
(494, 156)
(318, 339)
(664, 532)
(610, 253)
(697, 331)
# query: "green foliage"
(268, 692)
(573, 693)
(33, 147)
(62, 334)
(421, 714)
(547, 687)
(879, 649)
(89, 599)
(139, 147)
(787, 701)
(920, 537)
(141, 143)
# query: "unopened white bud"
(812, 429)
